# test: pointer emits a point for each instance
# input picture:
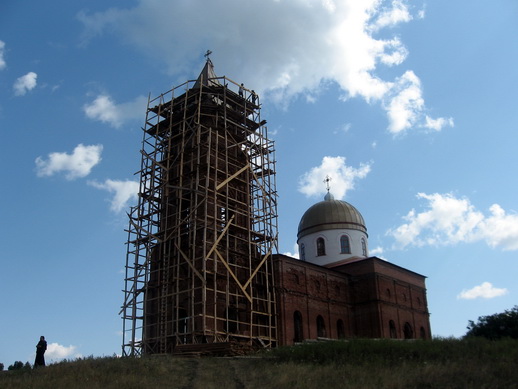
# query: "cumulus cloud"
(449, 220)
(437, 124)
(282, 48)
(123, 192)
(392, 15)
(56, 352)
(2, 60)
(25, 83)
(343, 177)
(377, 251)
(295, 253)
(76, 165)
(104, 109)
(485, 290)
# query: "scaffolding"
(201, 238)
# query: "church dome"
(330, 214)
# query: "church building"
(336, 290)
(202, 264)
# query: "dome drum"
(322, 228)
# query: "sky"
(409, 106)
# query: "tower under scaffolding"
(200, 241)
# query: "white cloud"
(344, 42)
(391, 16)
(75, 165)
(56, 352)
(104, 109)
(405, 103)
(2, 60)
(485, 290)
(124, 192)
(25, 83)
(377, 251)
(437, 124)
(344, 128)
(449, 220)
(500, 229)
(295, 253)
(343, 177)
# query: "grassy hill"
(440, 363)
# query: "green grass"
(440, 363)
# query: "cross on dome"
(328, 195)
(326, 180)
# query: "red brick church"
(199, 266)
(336, 290)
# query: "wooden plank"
(190, 264)
(259, 266)
(233, 176)
(233, 276)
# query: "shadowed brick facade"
(364, 298)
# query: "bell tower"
(200, 240)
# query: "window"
(407, 331)
(422, 333)
(297, 327)
(345, 245)
(302, 252)
(321, 327)
(364, 248)
(392, 329)
(321, 247)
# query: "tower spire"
(207, 76)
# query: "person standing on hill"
(41, 347)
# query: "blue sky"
(410, 107)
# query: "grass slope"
(441, 363)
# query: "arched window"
(364, 248)
(392, 328)
(321, 327)
(345, 245)
(340, 329)
(297, 327)
(321, 247)
(408, 331)
(302, 252)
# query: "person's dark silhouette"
(41, 347)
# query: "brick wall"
(369, 299)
